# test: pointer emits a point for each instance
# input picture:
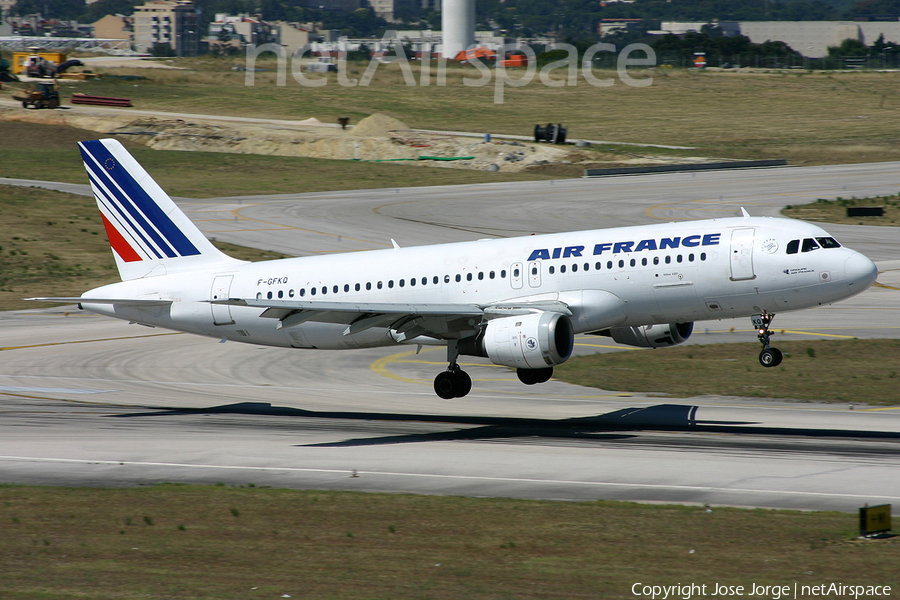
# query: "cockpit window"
(793, 246)
(827, 242)
(809, 245)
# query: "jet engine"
(652, 336)
(531, 341)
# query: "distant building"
(114, 27)
(293, 35)
(244, 29)
(384, 8)
(171, 23)
(809, 38)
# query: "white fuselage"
(667, 273)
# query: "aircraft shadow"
(614, 425)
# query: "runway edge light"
(874, 520)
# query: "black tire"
(463, 384)
(534, 376)
(24, 104)
(543, 375)
(445, 385)
(770, 357)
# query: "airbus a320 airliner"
(518, 302)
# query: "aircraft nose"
(860, 271)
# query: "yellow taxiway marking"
(814, 333)
(380, 367)
(113, 339)
(887, 287)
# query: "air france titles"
(690, 241)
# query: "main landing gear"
(769, 357)
(454, 382)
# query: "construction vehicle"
(46, 95)
(36, 63)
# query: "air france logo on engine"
(531, 343)
(691, 241)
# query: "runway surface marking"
(350, 472)
(113, 339)
(45, 390)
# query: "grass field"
(49, 153)
(220, 542)
(854, 371)
(835, 211)
(805, 117)
(54, 244)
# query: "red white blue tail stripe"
(137, 227)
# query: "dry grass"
(49, 153)
(218, 542)
(835, 211)
(804, 117)
(855, 371)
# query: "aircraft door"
(534, 273)
(742, 254)
(516, 275)
(221, 289)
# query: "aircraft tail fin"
(148, 233)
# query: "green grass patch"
(835, 211)
(856, 371)
(222, 542)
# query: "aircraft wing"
(427, 319)
(147, 302)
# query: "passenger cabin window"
(809, 245)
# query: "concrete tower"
(458, 26)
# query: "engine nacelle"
(653, 336)
(533, 341)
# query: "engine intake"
(652, 336)
(533, 341)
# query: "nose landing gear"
(769, 357)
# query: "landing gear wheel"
(533, 376)
(444, 385)
(463, 384)
(452, 384)
(770, 357)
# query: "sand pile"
(371, 139)
(377, 125)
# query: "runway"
(91, 401)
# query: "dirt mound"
(377, 125)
